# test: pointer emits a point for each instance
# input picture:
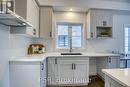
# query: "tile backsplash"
(18, 45)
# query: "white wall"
(19, 45)
(11, 46)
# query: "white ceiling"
(84, 5)
(74, 9)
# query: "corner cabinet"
(99, 23)
(69, 71)
(46, 22)
(107, 63)
(29, 10)
(27, 74)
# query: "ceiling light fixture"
(71, 9)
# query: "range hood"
(10, 18)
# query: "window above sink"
(69, 34)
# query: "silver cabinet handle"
(74, 66)
(42, 66)
(55, 60)
(50, 34)
(109, 60)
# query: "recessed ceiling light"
(71, 9)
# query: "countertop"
(122, 76)
(41, 57)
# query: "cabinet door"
(65, 72)
(33, 16)
(109, 82)
(46, 17)
(52, 71)
(91, 23)
(24, 74)
(103, 16)
(113, 62)
(114, 83)
(81, 72)
(107, 63)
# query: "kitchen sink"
(71, 53)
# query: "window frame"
(126, 26)
(69, 34)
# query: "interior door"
(81, 72)
(65, 72)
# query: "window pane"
(76, 42)
(63, 34)
(62, 41)
(62, 30)
(76, 36)
(76, 30)
(62, 37)
(127, 39)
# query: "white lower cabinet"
(81, 74)
(27, 74)
(68, 71)
(109, 82)
(52, 71)
(107, 63)
(65, 72)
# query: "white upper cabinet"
(29, 10)
(99, 23)
(46, 22)
(33, 15)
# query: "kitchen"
(98, 51)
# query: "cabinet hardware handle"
(42, 66)
(72, 66)
(92, 34)
(109, 60)
(42, 69)
(50, 34)
(34, 31)
(55, 60)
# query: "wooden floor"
(96, 82)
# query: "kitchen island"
(117, 77)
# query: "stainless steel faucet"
(70, 50)
(70, 39)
